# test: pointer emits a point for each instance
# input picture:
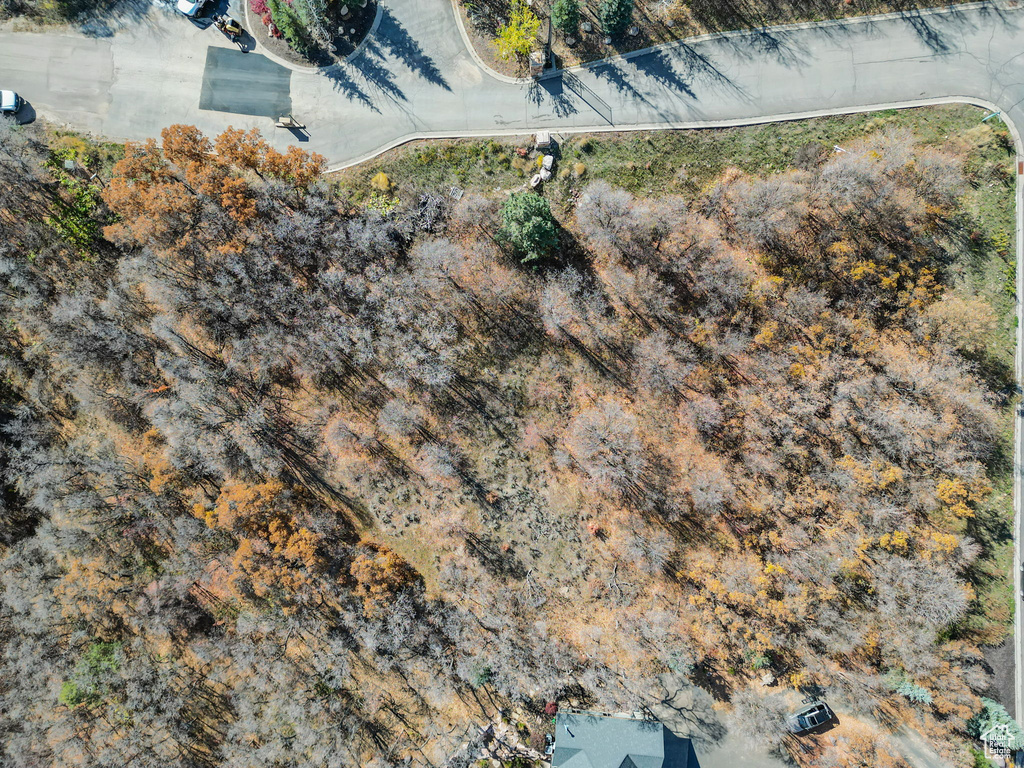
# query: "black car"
(809, 718)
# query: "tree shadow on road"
(105, 19)
(586, 94)
(700, 68)
(551, 90)
(676, 69)
(371, 66)
(340, 76)
(659, 66)
(779, 45)
(927, 30)
(363, 75)
(940, 31)
(688, 712)
(613, 73)
(394, 38)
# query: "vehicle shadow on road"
(246, 43)
(26, 115)
(201, 22)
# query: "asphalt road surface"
(415, 78)
(245, 84)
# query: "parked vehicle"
(10, 102)
(229, 27)
(809, 718)
(191, 8)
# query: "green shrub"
(992, 715)
(382, 203)
(679, 660)
(528, 226)
(89, 683)
(898, 681)
(316, 20)
(914, 692)
(615, 16)
(565, 15)
(482, 677)
(290, 25)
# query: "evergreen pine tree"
(615, 16)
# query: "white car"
(191, 8)
(10, 102)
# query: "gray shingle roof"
(597, 741)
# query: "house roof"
(599, 741)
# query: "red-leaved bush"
(259, 7)
(271, 27)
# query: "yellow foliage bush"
(516, 38)
(382, 183)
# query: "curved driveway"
(415, 78)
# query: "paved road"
(416, 78)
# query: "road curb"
(684, 125)
(781, 28)
(468, 43)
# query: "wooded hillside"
(292, 483)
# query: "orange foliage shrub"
(380, 575)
